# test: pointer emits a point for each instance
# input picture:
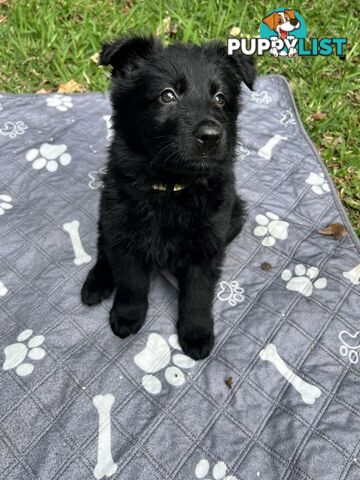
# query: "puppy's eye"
(287, 18)
(280, 21)
(168, 96)
(220, 99)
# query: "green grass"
(45, 43)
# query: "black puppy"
(168, 200)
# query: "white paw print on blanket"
(96, 178)
(156, 356)
(350, 346)
(60, 102)
(318, 183)
(271, 228)
(231, 292)
(287, 118)
(13, 129)
(16, 353)
(3, 290)
(5, 203)
(261, 97)
(218, 472)
(48, 156)
(241, 151)
(304, 281)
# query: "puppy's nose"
(208, 135)
(293, 22)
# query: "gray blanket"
(277, 399)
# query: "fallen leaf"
(173, 29)
(4, 2)
(266, 266)
(127, 5)
(336, 230)
(71, 87)
(167, 28)
(331, 140)
(164, 27)
(318, 116)
(95, 58)
(46, 90)
(229, 382)
(3, 18)
(328, 138)
(234, 32)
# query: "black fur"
(190, 141)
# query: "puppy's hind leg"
(99, 283)
(237, 220)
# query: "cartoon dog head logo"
(283, 26)
(282, 22)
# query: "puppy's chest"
(171, 229)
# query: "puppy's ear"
(242, 65)
(125, 53)
(270, 21)
(245, 68)
(290, 12)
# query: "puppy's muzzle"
(208, 135)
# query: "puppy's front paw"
(196, 343)
(96, 288)
(127, 319)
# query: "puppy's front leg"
(195, 323)
(132, 286)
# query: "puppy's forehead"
(188, 65)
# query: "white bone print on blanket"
(107, 119)
(72, 228)
(309, 393)
(156, 356)
(105, 466)
(353, 275)
(266, 150)
(16, 353)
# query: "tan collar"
(163, 187)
